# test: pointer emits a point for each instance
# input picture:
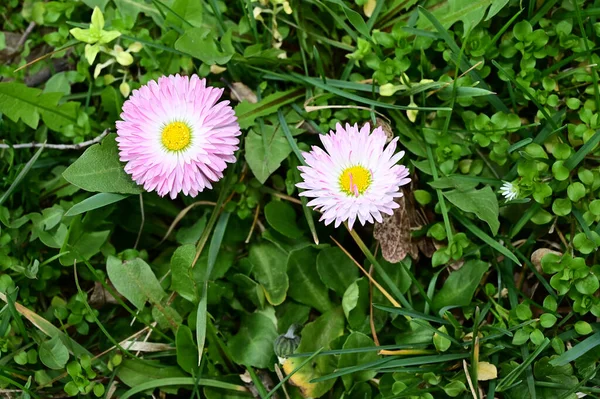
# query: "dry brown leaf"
(241, 92)
(100, 296)
(394, 234)
(486, 371)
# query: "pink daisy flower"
(356, 176)
(176, 137)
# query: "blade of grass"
(585, 149)
(527, 94)
(350, 96)
(411, 313)
(465, 66)
(577, 351)
(94, 202)
(514, 374)
(484, 237)
(21, 175)
(287, 377)
(181, 381)
(213, 250)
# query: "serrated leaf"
(201, 43)
(19, 102)
(98, 169)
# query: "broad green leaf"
(289, 313)
(94, 202)
(201, 43)
(355, 19)
(460, 286)
(53, 353)
(131, 8)
(134, 372)
(19, 102)
(305, 285)
(188, 10)
(497, 5)
(282, 217)
(98, 169)
(269, 268)
(357, 340)
(247, 112)
(187, 357)
(253, 344)
(135, 280)
(21, 175)
(470, 12)
(336, 270)
(483, 203)
(81, 244)
(318, 334)
(184, 278)
(265, 154)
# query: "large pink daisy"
(176, 137)
(356, 176)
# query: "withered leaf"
(394, 234)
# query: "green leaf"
(269, 268)
(201, 43)
(483, 203)
(305, 285)
(135, 280)
(336, 270)
(184, 278)
(253, 344)
(353, 17)
(21, 175)
(54, 354)
(187, 351)
(497, 5)
(461, 285)
(281, 216)
(190, 11)
(19, 102)
(136, 372)
(81, 244)
(357, 340)
(316, 335)
(265, 154)
(247, 112)
(181, 381)
(470, 12)
(213, 251)
(94, 202)
(98, 170)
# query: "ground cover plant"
(265, 267)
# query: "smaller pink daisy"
(356, 176)
(176, 137)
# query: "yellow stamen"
(355, 180)
(176, 136)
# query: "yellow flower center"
(176, 136)
(355, 180)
